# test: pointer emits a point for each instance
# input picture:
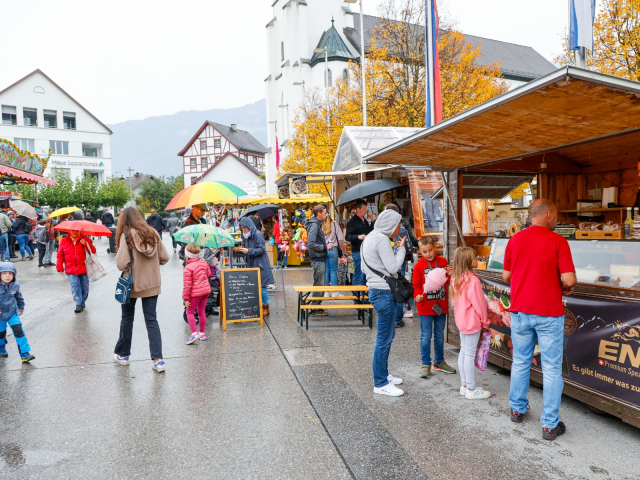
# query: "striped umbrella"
(204, 192)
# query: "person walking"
(89, 217)
(5, 229)
(539, 267)
(107, 218)
(253, 246)
(172, 226)
(11, 309)
(318, 247)
(40, 235)
(50, 242)
(140, 253)
(333, 235)
(23, 228)
(12, 235)
(156, 222)
(357, 229)
(72, 253)
(377, 254)
(195, 291)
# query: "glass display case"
(613, 263)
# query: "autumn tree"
(616, 40)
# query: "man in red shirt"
(539, 266)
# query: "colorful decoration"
(12, 156)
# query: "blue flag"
(581, 16)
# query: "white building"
(299, 27)
(235, 170)
(208, 148)
(37, 115)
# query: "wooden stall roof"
(571, 112)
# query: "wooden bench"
(360, 299)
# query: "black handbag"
(401, 288)
(125, 284)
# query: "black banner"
(601, 341)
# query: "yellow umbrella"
(63, 211)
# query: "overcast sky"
(133, 59)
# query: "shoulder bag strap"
(130, 257)
(383, 276)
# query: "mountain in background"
(152, 145)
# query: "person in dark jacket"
(107, 219)
(89, 218)
(156, 222)
(253, 246)
(317, 248)
(357, 229)
(12, 236)
(172, 224)
(23, 227)
(194, 218)
(11, 308)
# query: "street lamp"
(362, 63)
(326, 76)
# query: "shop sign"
(82, 163)
(251, 188)
(601, 341)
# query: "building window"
(205, 163)
(329, 79)
(91, 150)
(216, 143)
(194, 164)
(217, 157)
(203, 145)
(25, 144)
(345, 76)
(9, 116)
(69, 120)
(58, 147)
(94, 175)
(282, 51)
(30, 117)
(50, 119)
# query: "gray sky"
(133, 59)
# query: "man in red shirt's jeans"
(539, 266)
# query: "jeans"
(42, 248)
(319, 274)
(23, 243)
(79, 288)
(385, 305)
(282, 258)
(550, 334)
(7, 254)
(400, 306)
(331, 277)
(265, 296)
(358, 276)
(12, 244)
(432, 324)
(197, 303)
(149, 304)
(16, 325)
(51, 245)
(466, 359)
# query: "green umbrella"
(205, 236)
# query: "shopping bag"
(482, 355)
(95, 270)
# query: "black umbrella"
(368, 189)
(264, 210)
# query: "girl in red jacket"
(72, 252)
(196, 290)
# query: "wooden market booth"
(576, 131)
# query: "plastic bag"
(482, 354)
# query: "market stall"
(578, 133)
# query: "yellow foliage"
(616, 35)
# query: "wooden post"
(453, 241)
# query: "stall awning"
(327, 177)
(482, 186)
(31, 177)
(273, 198)
(558, 112)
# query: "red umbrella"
(88, 228)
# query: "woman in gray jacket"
(377, 253)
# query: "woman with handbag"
(140, 254)
(332, 234)
(381, 265)
(71, 257)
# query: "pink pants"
(198, 303)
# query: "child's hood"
(8, 267)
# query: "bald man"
(539, 266)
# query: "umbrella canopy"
(367, 189)
(88, 228)
(63, 211)
(204, 192)
(205, 236)
(264, 210)
(23, 208)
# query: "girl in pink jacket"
(195, 291)
(470, 308)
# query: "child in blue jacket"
(11, 308)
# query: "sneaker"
(78, 309)
(285, 267)
(203, 336)
(320, 313)
(336, 294)
(193, 338)
(552, 433)
(425, 371)
(477, 394)
(158, 366)
(516, 416)
(463, 391)
(394, 380)
(124, 361)
(400, 324)
(389, 389)
(443, 367)
(408, 314)
(271, 287)
(27, 357)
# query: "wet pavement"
(278, 402)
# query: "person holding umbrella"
(23, 227)
(72, 254)
(253, 246)
(357, 230)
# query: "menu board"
(241, 295)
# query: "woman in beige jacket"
(137, 241)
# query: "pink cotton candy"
(435, 279)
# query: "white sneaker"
(336, 294)
(193, 338)
(394, 380)
(408, 314)
(121, 360)
(477, 394)
(271, 287)
(463, 391)
(389, 389)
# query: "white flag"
(581, 16)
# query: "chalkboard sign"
(241, 294)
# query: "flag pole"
(429, 76)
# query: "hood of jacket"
(8, 267)
(172, 215)
(387, 222)
(146, 250)
(248, 223)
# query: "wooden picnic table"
(358, 301)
